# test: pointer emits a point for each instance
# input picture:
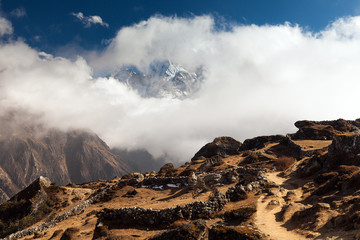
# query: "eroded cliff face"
(66, 157)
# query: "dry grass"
(313, 144)
(283, 163)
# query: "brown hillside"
(66, 157)
(269, 187)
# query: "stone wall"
(137, 216)
(78, 209)
(163, 181)
(95, 197)
(147, 217)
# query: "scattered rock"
(236, 193)
(274, 202)
(230, 177)
(38, 235)
(212, 179)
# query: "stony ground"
(272, 187)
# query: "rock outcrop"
(221, 146)
(26, 207)
(324, 130)
(259, 142)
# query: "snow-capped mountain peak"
(164, 79)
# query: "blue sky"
(49, 25)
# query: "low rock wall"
(163, 181)
(152, 218)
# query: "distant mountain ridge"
(165, 79)
(74, 156)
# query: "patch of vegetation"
(283, 163)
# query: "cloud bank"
(258, 80)
(88, 21)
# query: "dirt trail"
(265, 215)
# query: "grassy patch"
(283, 163)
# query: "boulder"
(345, 143)
(131, 193)
(236, 193)
(167, 170)
(212, 179)
(259, 142)
(221, 146)
(287, 147)
(344, 150)
(210, 163)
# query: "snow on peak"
(164, 79)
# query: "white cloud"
(88, 21)
(5, 27)
(343, 29)
(18, 12)
(259, 80)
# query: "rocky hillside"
(301, 186)
(66, 157)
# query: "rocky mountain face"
(165, 79)
(300, 186)
(66, 157)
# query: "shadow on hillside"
(175, 193)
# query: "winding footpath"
(265, 216)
